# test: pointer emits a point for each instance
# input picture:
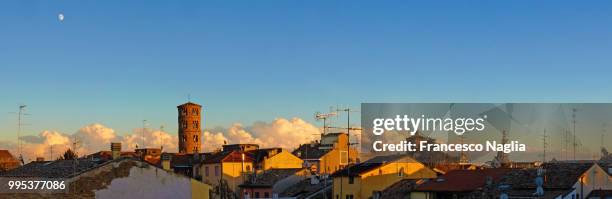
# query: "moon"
(60, 17)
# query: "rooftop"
(309, 151)
(400, 189)
(378, 161)
(226, 156)
(6, 156)
(189, 104)
(557, 176)
(270, 177)
(53, 169)
(462, 180)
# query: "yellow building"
(227, 168)
(332, 153)
(275, 158)
(365, 179)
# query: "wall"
(381, 178)
(231, 173)
(283, 160)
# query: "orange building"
(189, 128)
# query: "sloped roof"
(260, 154)
(189, 104)
(462, 180)
(226, 156)
(400, 189)
(270, 177)
(53, 169)
(601, 193)
(371, 164)
(558, 176)
(309, 151)
(6, 156)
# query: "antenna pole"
(574, 121)
(161, 139)
(143, 133)
(544, 144)
(602, 139)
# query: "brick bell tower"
(189, 131)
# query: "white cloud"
(281, 132)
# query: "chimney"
(165, 161)
(115, 150)
(40, 159)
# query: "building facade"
(189, 127)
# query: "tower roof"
(189, 104)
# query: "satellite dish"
(60, 17)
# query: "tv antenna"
(324, 116)
(348, 129)
(603, 133)
(574, 110)
(20, 115)
(161, 139)
(544, 142)
(144, 129)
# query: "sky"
(117, 63)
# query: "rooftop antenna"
(75, 159)
(144, 128)
(20, 125)
(323, 116)
(544, 144)
(348, 129)
(161, 139)
(605, 125)
(462, 156)
(574, 110)
(567, 141)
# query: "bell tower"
(189, 127)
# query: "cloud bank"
(281, 132)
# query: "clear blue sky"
(119, 62)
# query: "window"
(216, 170)
(248, 168)
(195, 124)
(206, 172)
(195, 138)
(351, 179)
(349, 196)
(400, 173)
(256, 194)
(266, 195)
